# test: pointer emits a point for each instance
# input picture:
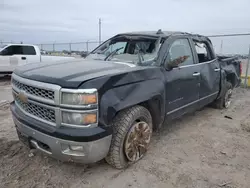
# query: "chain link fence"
(86, 46)
(230, 44)
(235, 44)
(72, 48)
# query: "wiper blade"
(112, 53)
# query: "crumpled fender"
(229, 73)
(122, 97)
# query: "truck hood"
(71, 74)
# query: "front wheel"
(132, 131)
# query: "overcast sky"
(37, 21)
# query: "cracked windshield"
(130, 49)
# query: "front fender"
(122, 97)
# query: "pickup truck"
(13, 55)
(108, 104)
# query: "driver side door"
(182, 81)
(11, 57)
(5, 57)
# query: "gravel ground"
(204, 149)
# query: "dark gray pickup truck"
(108, 104)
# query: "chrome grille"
(43, 93)
(36, 110)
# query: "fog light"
(76, 148)
(73, 150)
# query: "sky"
(47, 21)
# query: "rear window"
(203, 51)
(29, 50)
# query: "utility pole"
(246, 75)
(221, 46)
(100, 30)
(87, 45)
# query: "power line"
(230, 35)
(100, 37)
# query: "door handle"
(196, 74)
(217, 69)
(23, 58)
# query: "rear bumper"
(62, 149)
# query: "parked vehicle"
(14, 55)
(108, 104)
(84, 54)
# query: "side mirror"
(84, 54)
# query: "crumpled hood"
(72, 73)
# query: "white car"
(14, 55)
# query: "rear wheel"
(132, 131)
(225, 100)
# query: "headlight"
(75, 118)
(79, 97)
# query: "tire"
(125, 126)
(225, 100)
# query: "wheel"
(225, 100)
(132, 132)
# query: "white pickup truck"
(13, 55)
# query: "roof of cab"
(155, 33)
(19, 44)
(165, 34)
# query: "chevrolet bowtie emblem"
(23, 97)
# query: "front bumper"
(62, 149)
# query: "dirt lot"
(204, 150)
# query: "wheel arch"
(232, 79)
(114, 101)
(155, 107)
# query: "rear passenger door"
(182, 82)
(209, 71)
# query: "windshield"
(2, 46)
(128, 49)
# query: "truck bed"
(232, 68)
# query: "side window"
(204, 54)
(29, 50)
(180, 53)
(13, 50)
(7, 51)
(17, 50)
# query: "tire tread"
(121, 125)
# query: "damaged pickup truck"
(108, 104)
